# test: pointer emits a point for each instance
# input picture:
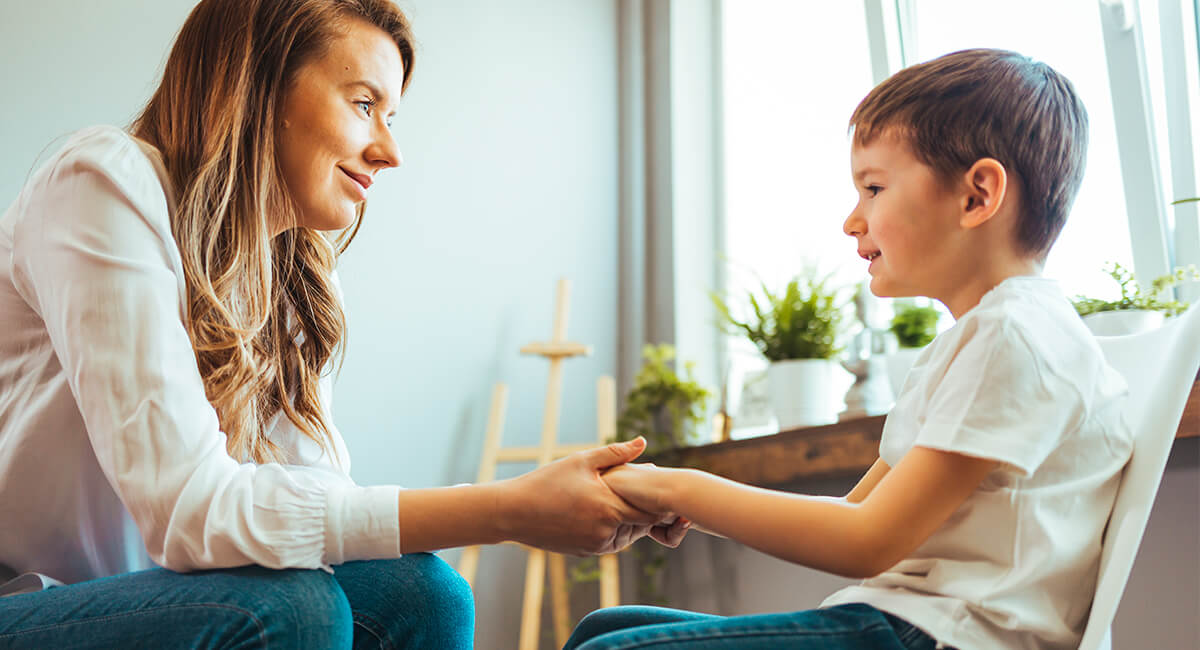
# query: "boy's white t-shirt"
(1018, 379)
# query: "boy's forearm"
(825, 533)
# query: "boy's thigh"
(243, 607)
(851, 627)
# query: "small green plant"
(662, 406)
(803, 322)
(1134, 297)
(913, 325)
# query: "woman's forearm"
(436, 518)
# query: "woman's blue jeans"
(416, 601)
(845, 627)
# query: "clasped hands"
(590, 502)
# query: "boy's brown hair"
(983, 103)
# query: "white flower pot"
(899, 363)
(1123, 322)
(802, 393)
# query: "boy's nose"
(854, 225)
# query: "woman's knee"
(443, 588)
(417, 600)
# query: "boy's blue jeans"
(846, 627)
(416, 601)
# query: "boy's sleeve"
(999, 400)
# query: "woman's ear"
(987, 183)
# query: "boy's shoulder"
(1030, 321)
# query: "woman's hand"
(669, 533)
(566, 507)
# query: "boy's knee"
(600, 622)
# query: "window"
(792, 76)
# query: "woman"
(168, 315)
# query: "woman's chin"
(341, 218)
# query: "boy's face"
(906, 222)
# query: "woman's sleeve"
(93, 256)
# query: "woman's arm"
(841, 536)
(563, 507)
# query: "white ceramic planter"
(1123, 322)
(801, 392)
(899, 363)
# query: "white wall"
(509, 137)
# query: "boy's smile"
(905, 220)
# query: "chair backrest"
(1160, 367)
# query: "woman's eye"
(366, 106)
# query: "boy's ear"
(987, 183)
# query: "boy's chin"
(884, 289)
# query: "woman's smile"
(359, 182)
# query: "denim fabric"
(846, 627)
(416, 601)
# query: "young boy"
(980, 524)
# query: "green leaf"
(804, 321)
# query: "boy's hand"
(643, 485)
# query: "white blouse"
(110, 453)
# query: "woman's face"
(334, 133)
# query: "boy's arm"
(835, 535)
(868, 481)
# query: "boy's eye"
(874, 190)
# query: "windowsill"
(833, 451)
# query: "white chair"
(1160, 366)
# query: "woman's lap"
(416, 599)
(848, 627)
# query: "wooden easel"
(556, 350)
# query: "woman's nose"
(384, 151)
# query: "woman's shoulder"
(126, 164)
(112, 152)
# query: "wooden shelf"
(841, 450)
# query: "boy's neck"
(982, 278)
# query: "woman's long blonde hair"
(262, 312)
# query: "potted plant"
(914, 326)
(1137, 309)
(666, 409)
(798, 332)
(662, 406)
